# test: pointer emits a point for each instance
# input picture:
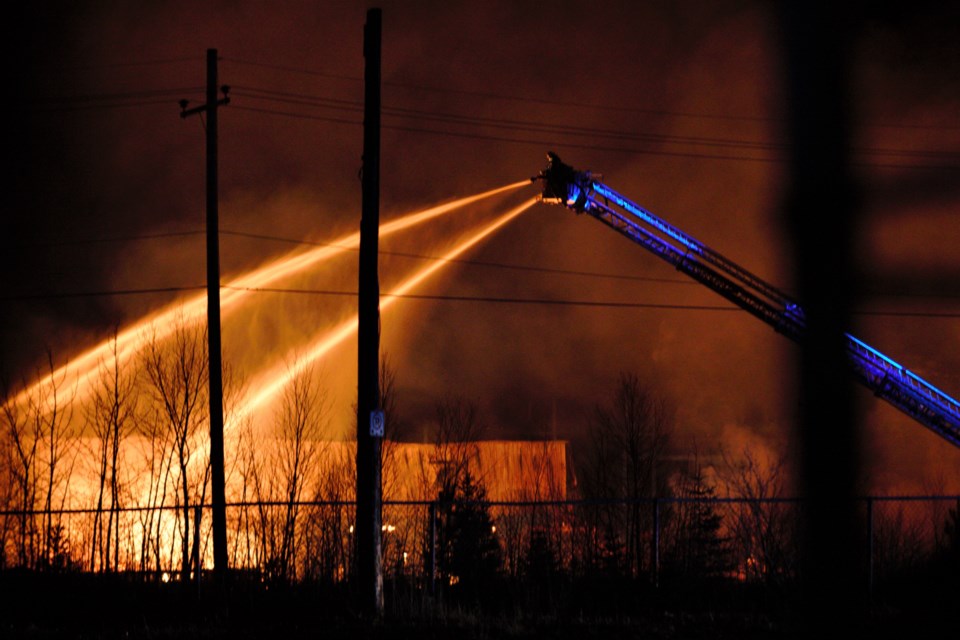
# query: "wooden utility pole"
(215, 364)
(369, 573)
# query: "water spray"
(269, 384)
(162, 323)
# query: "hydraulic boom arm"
(579, 191)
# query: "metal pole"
(369, 570)
(432, 568)
(870, 548)
(656, 543)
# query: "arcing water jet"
(162, 323)
(269, 384)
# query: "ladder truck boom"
(584, 193)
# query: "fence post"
(655, 547)
(195, 552)
(432, 558)
(870, 548)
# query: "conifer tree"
(700, 551)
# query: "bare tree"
(455, 444)
(764, 527)
(52, 414)
(330, 537)
(158, 459)
(301, 423)
(40, 456)
(394, 427)
(111, 416)
(285, 472)
(627, 460)
(177, 375)
(20, 446)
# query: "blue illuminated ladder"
(907, 391)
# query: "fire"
(193, 310)
(165, 525)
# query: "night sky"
(680, 106)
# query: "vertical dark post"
(820, 211)
(432, 558)
(369, 574)
(195, 552)
(213, 329)
(655, 544)
(870, 548)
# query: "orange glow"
(270, 384)
(162, 323)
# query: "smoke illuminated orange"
(270, 384)
(193, 310)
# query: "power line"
(558, 302)
(301, 98)
(539, 143)
(97, 107)
(564, 103)
(519, 267)
(111, 239)
(574, 145)
(115, 100)
(555, 302)
(289, 114)
(98, 294)
(562, 128)
(127, 99)
(278, 67)
(139, 63)
(464, 261)
(125, 95)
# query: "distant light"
(351, 528)
(493, 529)
(165, 577)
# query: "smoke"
(662, 69)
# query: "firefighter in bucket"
(563, 184)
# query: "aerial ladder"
(584, 193)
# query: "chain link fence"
(445, 547)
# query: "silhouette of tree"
(40, 451)
(764, 529)
(112, 417)
(951, 538)
(21, 467)
(700, 550)
(626, 460)
(177, 374)
(468, 551)
(472, 554)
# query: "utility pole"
(215, 364)
(369, 416)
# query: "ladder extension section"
(580, 192)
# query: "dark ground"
(85, 606)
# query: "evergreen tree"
(700, 550)
(472, 552)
